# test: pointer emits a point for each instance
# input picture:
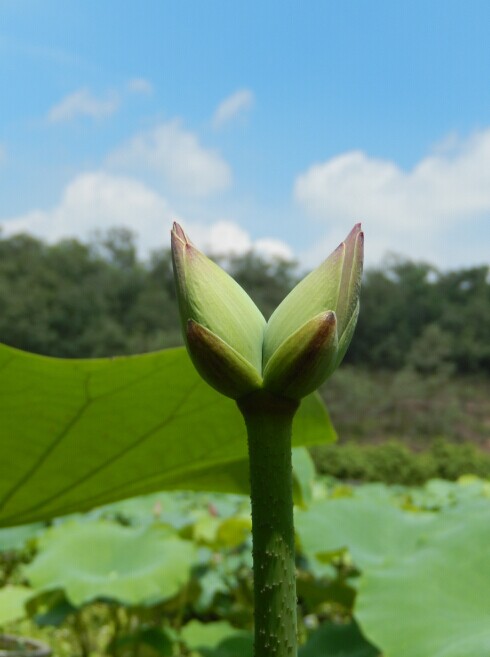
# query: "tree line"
(97, 298)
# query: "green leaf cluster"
(364, 554)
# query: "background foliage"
(418, 369)
(76, 299)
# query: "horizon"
(225, 258)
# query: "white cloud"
(404, 211)
(231, 107)
(84, 103)
(220, 238)
(228, 238)
(274, 248)
(99, 200)
(178, 157)
(139, 86)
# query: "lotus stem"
(269, 420)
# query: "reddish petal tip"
(178, 232)
(354, 232)
(330, 318)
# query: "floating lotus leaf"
(97, 560)
(370, 531)
(434, 601)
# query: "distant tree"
(401, 300)
(466, 317)
(397, 302)
(76, 299)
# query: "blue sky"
(273, 125)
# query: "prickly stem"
(269, 419)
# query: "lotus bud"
(233, 347)
(308, 334)
(223, 328)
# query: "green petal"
(210, 296)
(350, 286)
(305, 359)
(316, 293)
(219, 364)
(346, 336)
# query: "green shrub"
(394, 463)
(453, 460)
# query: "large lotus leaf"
(106, 560)
(12, 601)
(371, 531)
(435, 601)
(76, 434)
(338, 641)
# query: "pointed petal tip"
(356, 230)
(326, 328)
(329, 322)
(351, 237)
(178, 231)
(326, 324)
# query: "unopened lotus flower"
(268, 367)
(237, 352)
